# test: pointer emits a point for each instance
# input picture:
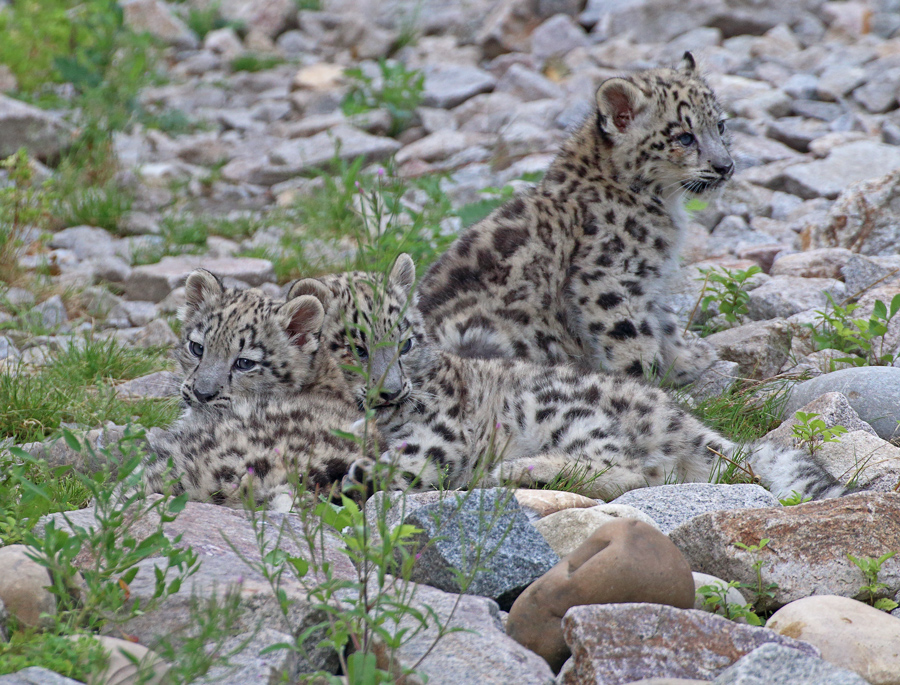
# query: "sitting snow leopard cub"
(576, 270)
(260, 400)
(446, 419)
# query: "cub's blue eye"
(195, 348)
(722, 127)
(362, 352)
(406, 346)
(244, 364)
(686, 139)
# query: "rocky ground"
(811, 89)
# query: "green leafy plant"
(397, 90)
(862, 339)
(813, 433)
(870, 568)
(715, 596)
(794, 499)
(727, 290)
(76, 657)
(251, 62)
(762, 590)
(23, 204)
(476, 211)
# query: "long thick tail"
(785, 471)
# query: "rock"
(249, 666)
(771, 664)
(9, 351)
(97, 302)
(8, 81)
(35, 675)
(672, 505)
(621, 643)
(513, 552)
(832, 408)
(796, 132)
(436, 146)
(845, 165)
(527, 85)
(158, 385)
(155, 17)
(825, 262)
(732, 596)
(447, 86)
(873, 392)
(88, 242)
(296, 157)
(122, 670)
(224, 42)
(157, 333)
(137, 312)
(51, 313)
(152, 282)
(863, 461)
(4, 619)
(23, 588)
(836, 82)
(319, 76)
(480, 652)
(228, 567)
(861, 273)
(760, 348)
(567, 530)
(865, 217)
(44, 135)
(622, 561)
(715, 381)
(540, 503)
(807, 552)
(269, 17)
(556, 37)
(784, 296)
(507, 28)
(880, 94)
(849, 634)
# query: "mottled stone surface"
(778, 664)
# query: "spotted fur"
(448, 419)
(576, 270)
(261, 402)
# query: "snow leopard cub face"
(373, 329)
(666, 126)
(240, 344)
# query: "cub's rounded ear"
(302, 318)
(201, 286)
(620, 102)
(403, 273)
(310, 286)
(688, 64)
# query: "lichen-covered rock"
(621, 643)
(807, 549)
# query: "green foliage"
(862, 339)
(23, 204)
(76, 387)
(813, 432)
(762, 590)
(794, 499)
(870, 568)
(396, 90)
(202, 21)
(727, 290)
(101, 593)
(77, 656)
(250, 62)
(715, 596)
(101, 206)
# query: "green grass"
(252, 63)
(74, 658)
(76, 387)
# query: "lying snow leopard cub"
(447, 419)
(260, 400)
(577, 269)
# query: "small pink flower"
(234, 486)
(240, 579)
(497, 426)
(418, 555)
(380, 172)
(402, 446)
(531, 468)
(358, 186)
(250, 470)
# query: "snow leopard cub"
(448, 419)
(260, 400)
(577, 269)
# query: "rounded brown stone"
(547, 502)
(623, 561)
(23, 587)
